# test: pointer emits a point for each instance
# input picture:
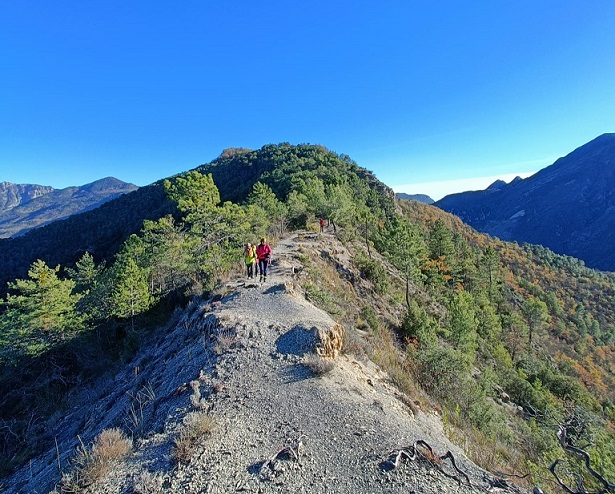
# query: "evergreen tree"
(489, 273)
(40, 311)
(405, 248)
(131, 294)
(168, 254)
(85, 274)
(276, 211)
(463, 267)
(195, 194)
(339, 207)
(515, 335)
(462, 323)
(87, 277)
(440, 241)
(537, 315)
(298, 210)
(420, 325)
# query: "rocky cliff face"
(12, 195)
(568, 207)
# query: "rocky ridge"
(12, 195)
(242, 358)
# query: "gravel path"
(246, 354)
(347, 420)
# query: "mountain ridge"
(12, 195)
(422, 294)
(568, 206)
(38, 205)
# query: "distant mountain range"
(415, 197)
(568, 207)
(24, 207)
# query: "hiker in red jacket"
(263, 252)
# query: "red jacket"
(263, 251)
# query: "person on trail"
(322, 225)
(263, 252)
(255, 259)
(249, 255)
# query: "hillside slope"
(58, 204)
(241, 358)
(568, 207)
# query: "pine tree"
(131, 294)
(86, 273)
(440, 241)
(462, 323)
(405, 248)
(490, 275)
(40, 311)
(537, 315)
(276, 211)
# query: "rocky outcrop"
(330, 341)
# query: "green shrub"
(369, 316)
(442, 372)
(420, 325)
(374, 271)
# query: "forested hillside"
(512, 343)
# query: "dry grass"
(91, 466)
(198, 426)
(225, 340)
(148, 483)
(318, 365)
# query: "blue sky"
(431, 96)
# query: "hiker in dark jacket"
(263, 252)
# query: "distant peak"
(497, 185)
(606, 136)
(108, 183)
(415, 197)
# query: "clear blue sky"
(416, 91)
